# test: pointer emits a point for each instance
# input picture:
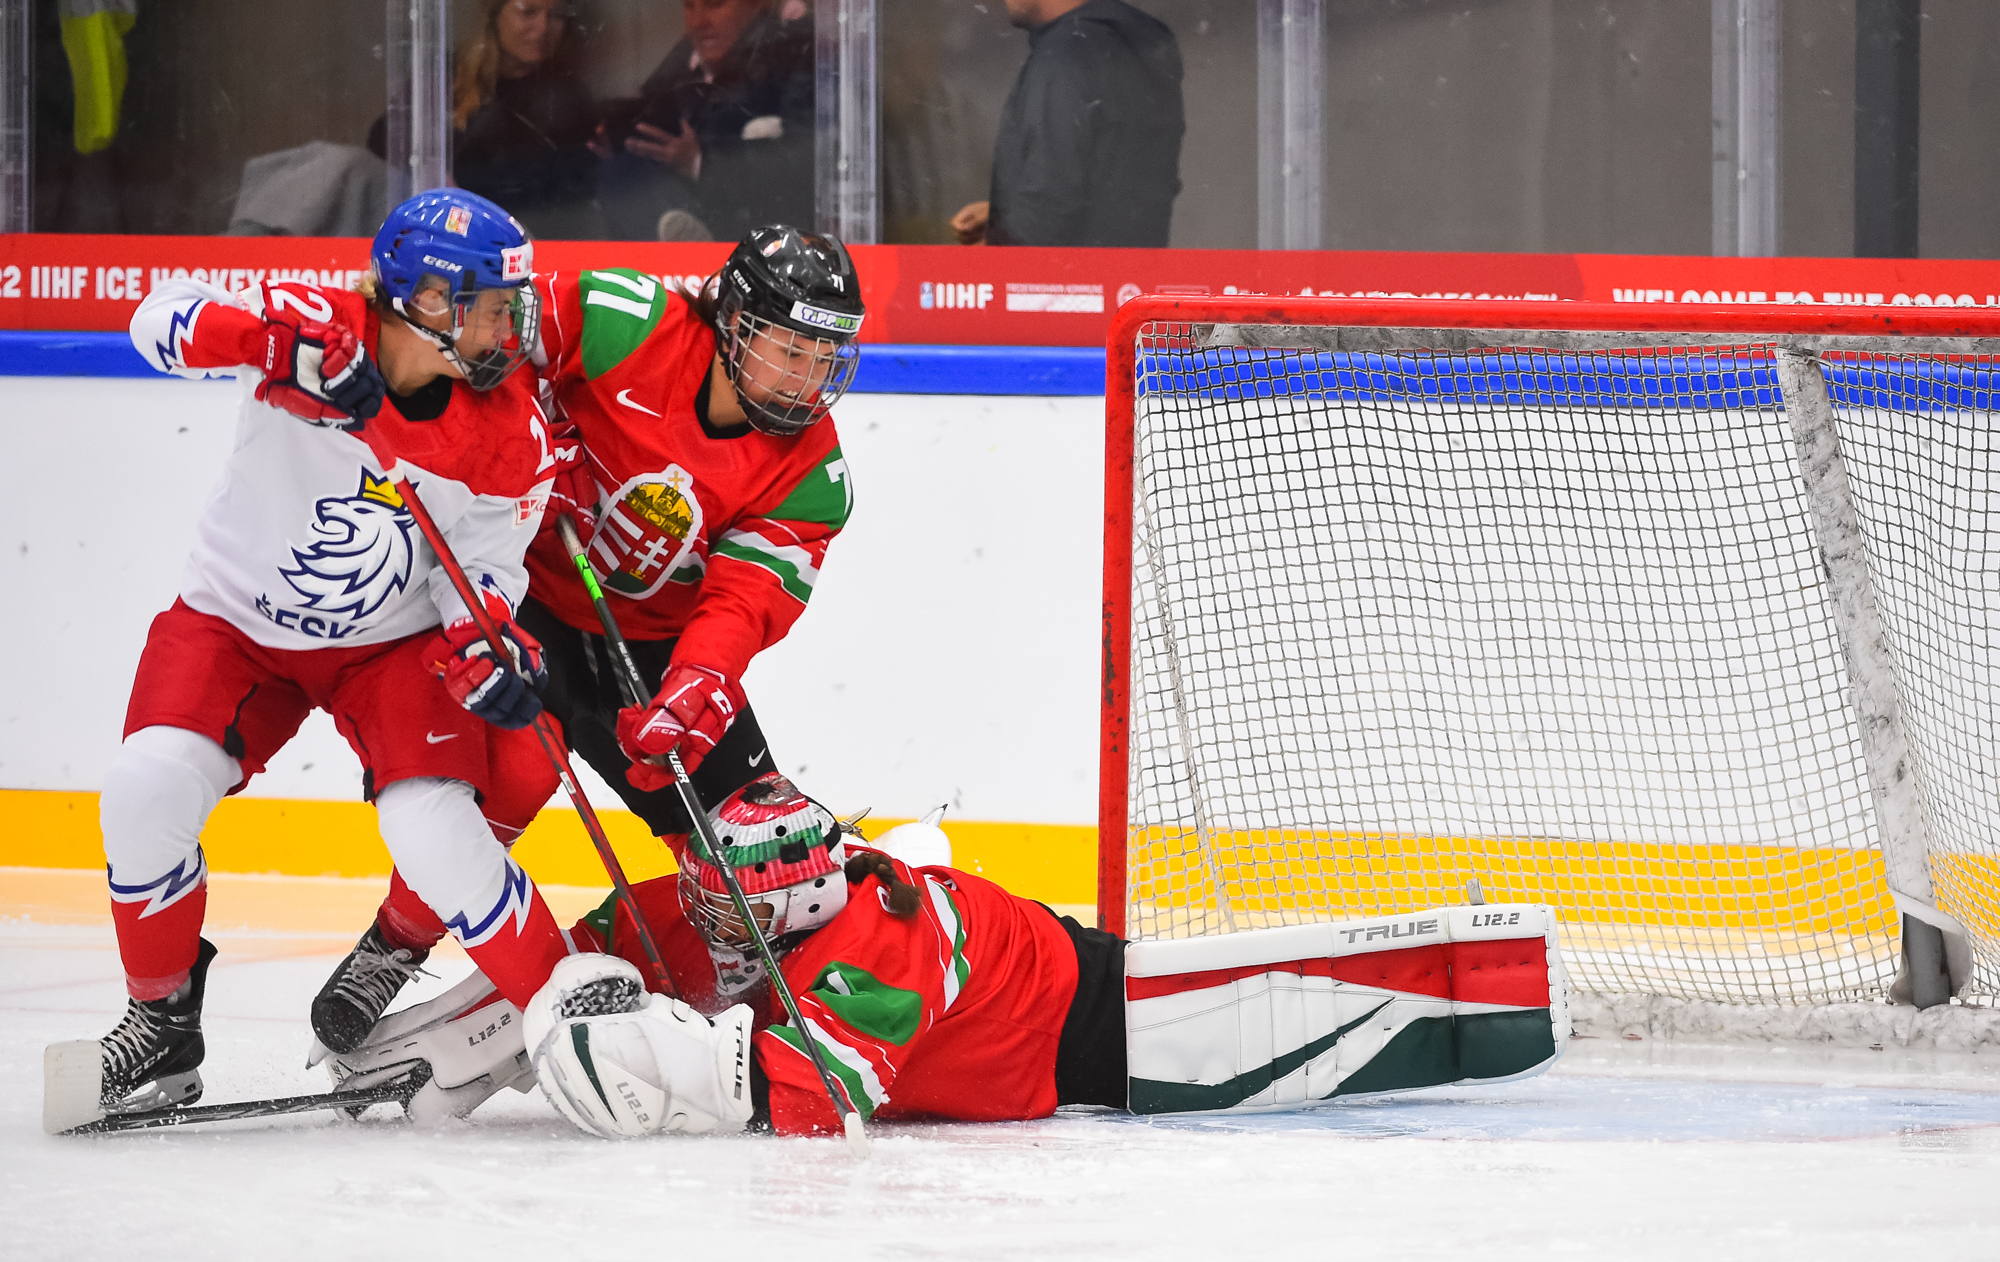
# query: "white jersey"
(305, 543)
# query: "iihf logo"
(363, 555)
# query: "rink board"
(1055, 863)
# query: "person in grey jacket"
(1090, 140)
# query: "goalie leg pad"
(1279, 1018)
(471, 1038)
(658, 1066)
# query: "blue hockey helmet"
(440, 254)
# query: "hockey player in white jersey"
(309, 586)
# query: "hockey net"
(1393, 606)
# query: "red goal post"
(1321, 338)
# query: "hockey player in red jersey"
(309, 587)
(711, 486)
(932, 992)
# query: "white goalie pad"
(469, 1036)
(1278, 1018)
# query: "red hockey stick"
(552, 744)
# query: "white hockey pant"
(157, 795)
(1278, 1018)
(449, 857)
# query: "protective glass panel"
(706, 116)
(1084, 131)
(207, 116)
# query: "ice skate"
(151, 1060)
(361, 990)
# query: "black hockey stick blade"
(398, 1091)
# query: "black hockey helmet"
(788, 308)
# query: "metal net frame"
(1392, 606)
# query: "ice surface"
(1631, 1149)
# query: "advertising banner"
(980, 296)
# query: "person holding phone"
(722, 131)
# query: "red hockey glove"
(505, 697)
(319, 373)
(695, 707)
(575, 490)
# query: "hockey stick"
(398, 1091)
(629, 681)
(552, 744)
(634, 686)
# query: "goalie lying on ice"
(932, 992)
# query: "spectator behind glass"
(1089, 150)
(524, 120)
(739, 89)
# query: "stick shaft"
(779, 986)
(552, 744)
(629, 680)
(691, 802)
(398, 1092)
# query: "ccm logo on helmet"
(447, 264)
(821, 318)
(517, 262)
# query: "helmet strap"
(443, 341)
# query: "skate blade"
(72, 1081)
(169, 1092)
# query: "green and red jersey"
(955, 1012)
(713, 538)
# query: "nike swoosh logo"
(635, 406)
(432, 738)
(760, 756)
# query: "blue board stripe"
(27, 353)
(1518, 379)
(885, 369)
(1679, 381)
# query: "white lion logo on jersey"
(363, 555)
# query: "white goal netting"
(1556, 621)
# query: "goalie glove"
(621, 1063)
(319, 373)
(461, 658)
(695, 706)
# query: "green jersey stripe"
(959, 970)
(621, 308)
(826, 495)
(793, 567)
(864, 1090)
(867, 1004)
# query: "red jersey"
(493, 441)
(306, 542)
(716, 538)
(955, 1012)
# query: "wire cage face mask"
(799, 375)
(509, 331)
(787, 853)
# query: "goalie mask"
(787, 853)
(787, 310)
(452, 253)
